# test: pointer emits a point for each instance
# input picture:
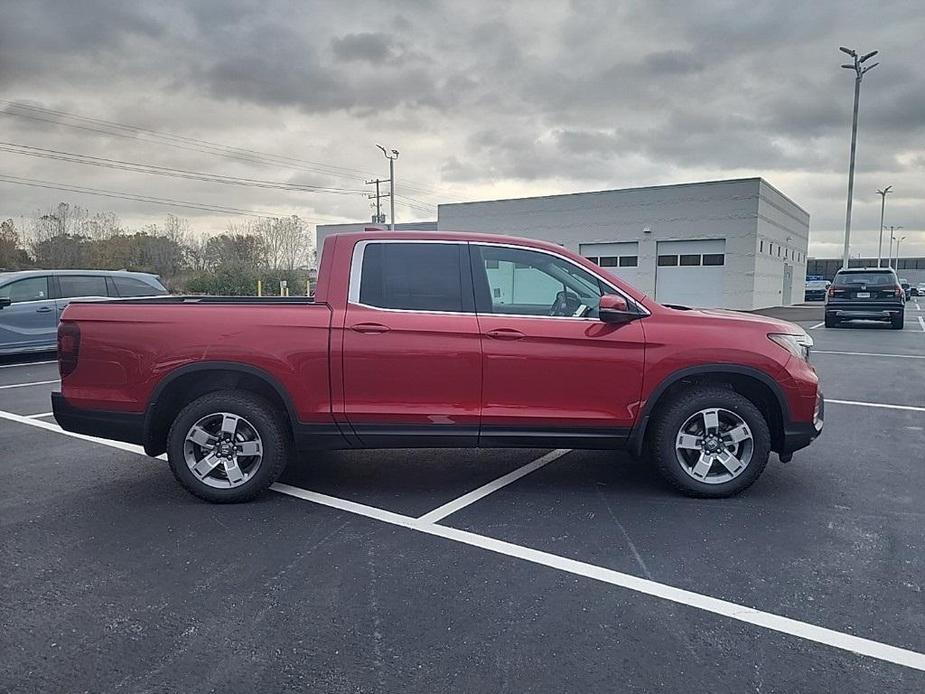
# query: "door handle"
(370, 328)
(44, 309)
(505, 334)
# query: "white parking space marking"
(922, 323)
(40, 415)
(869, 354)
(723, 608)
(49, 426)
(911, 408)
(27, 385)
(817, 325)
(30, 363)
(466, 499)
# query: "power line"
(126, 131)
(28, 150)
(206, 207)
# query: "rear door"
(30, 322)
(87, 286)
(411, 350)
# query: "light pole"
(882, 194)
(889, 256)
(859, 71)
(391, 155)
(898, 239)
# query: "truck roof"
(475, 236)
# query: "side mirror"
(614, 309)
(5, 301)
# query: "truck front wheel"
(228, 446)
(710, 441)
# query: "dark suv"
(865, 294)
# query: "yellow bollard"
(259, 288)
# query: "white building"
(734, 244)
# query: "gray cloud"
(482, 98)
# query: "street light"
(882, 194)
(889, 257)
(898, 239)
(860, 72)
(391, 155)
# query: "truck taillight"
(68, 347)
(898, 290)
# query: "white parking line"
(912, 408)
(817, 325)
(26, 385)
(723, 608)
(40, 415)
(30, 363)
(869, 354)
(456, 504)
(922, 323)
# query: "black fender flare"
(637, 436)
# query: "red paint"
(348, 363)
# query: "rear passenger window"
(412, 276)
(130, 286)
(29, 289)
(73, 286)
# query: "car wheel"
(228, 446)
(898, 321)
(831, 321)
(710, 441)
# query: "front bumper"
(118, 426)
(799, 435)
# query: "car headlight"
(797, 345)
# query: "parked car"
(815, 289)
(907, 288)
(865, 294)
(919, 290)
(32, 300)
(424, 339)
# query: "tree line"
(70, 236)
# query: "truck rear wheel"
(710, 441)
(228, 446)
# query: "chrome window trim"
(356, 267)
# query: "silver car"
(31, 301)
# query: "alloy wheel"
(223, 450)
(714, 445)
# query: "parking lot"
(492, 570)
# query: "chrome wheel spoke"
(689, 442)
(710, 421)
(201, 437)
(233, 471)
(248, 448)
(230, 423)
(730, 462)
(738, 434)
(206, 465)
(702, 468)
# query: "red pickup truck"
(434, 339)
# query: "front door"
(29, 323)
(411, 349)
(553, 373)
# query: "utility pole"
(882, 194)
(859, 71)
(391, 155)
(379, 218)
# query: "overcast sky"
(484, 99)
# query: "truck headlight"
(798, 345)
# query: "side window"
(73, 286)
(533, 283)
(29, 289)
(132, 286)
(413, 276)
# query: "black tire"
(898, 322)
(667, 425)
(266, 420)
(831, 321)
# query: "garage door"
(621, 259)
(691, 273)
